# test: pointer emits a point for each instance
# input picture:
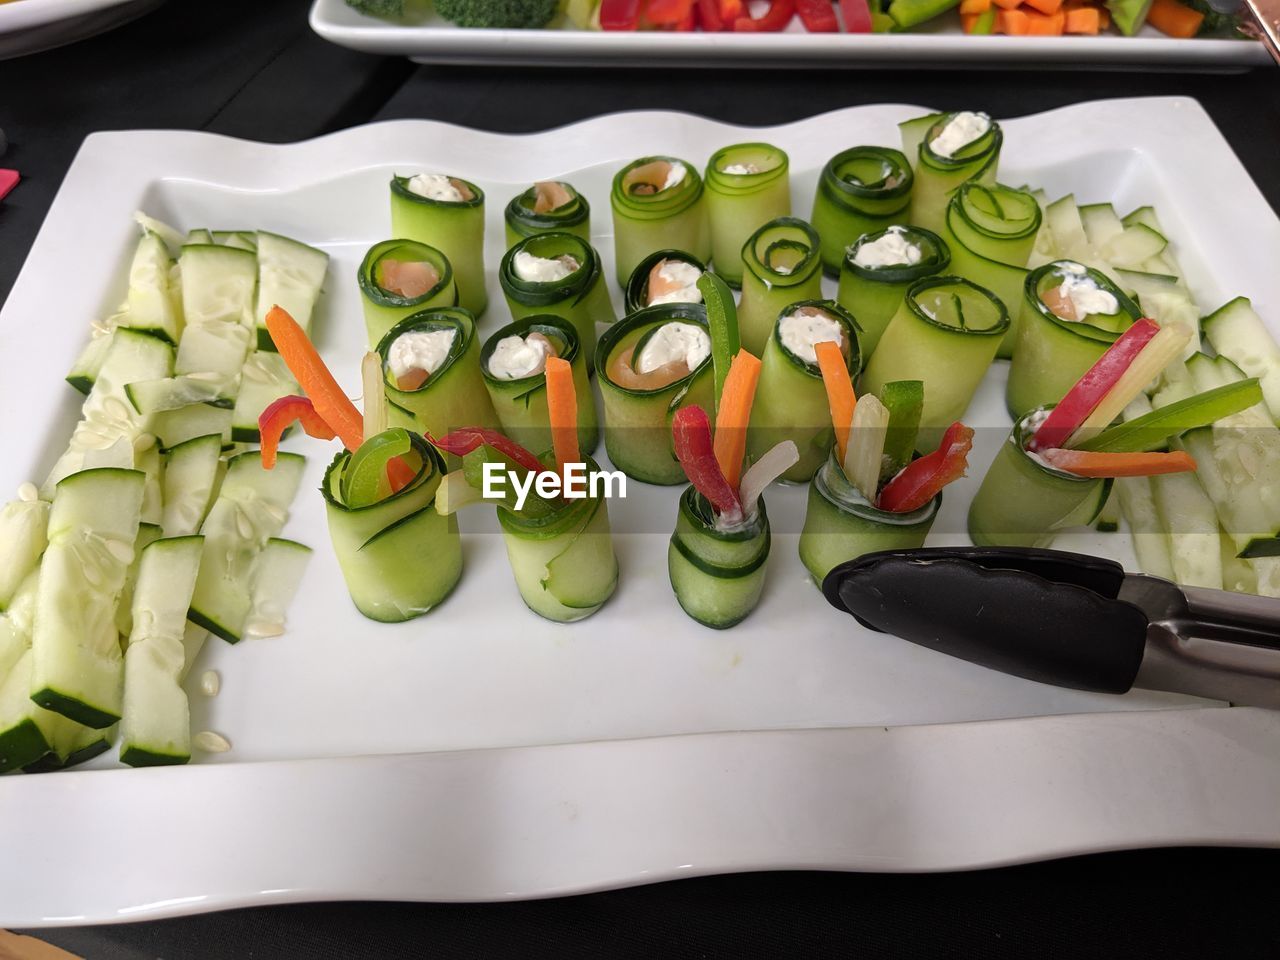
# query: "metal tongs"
(1068, 620)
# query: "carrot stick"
(1047, 7)
(1083, 20)
(299, 354)
(968, 7)
(1008, 4)
(1042, 25)
(1013, 23)
(1172, 18)
(1087, 464)
(562, 405)
(734, 413)
(840, 396)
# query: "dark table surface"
(256, 71)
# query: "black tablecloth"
(253, 69)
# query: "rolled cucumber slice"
(648, 215)
(1237, 332)
(746, 185)
(78, 666)
(718, 576)
(290, 275)
(454, 228)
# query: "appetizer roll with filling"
(875, 492)
(514, 364)
(781, 266)
(648, 365)
(665, 276)
(792, 404)
(947, 150)
(549, 206)
(862, 190)
(991, 231)
(877, 271)
(400, 277)
(657, 203)
(446, 213)
(747, 185)
(946, 333)
(431, 364)
(1070, 315)
(558, 273)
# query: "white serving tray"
(939, 44)
(29, 26)
(481, 752)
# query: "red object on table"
(857, 16)
(619, 14)
(668, 13)
(282, 414)
(691, 437)
(463, 441)
(818, 16)
(709, 18)
(775, 18)
(923, 478)
(8, 180)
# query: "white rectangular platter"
(483, 753)
(940, 44)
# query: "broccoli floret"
(389, 9)
(516, 14)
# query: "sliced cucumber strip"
(264, 380)
(1101, 224)
(149, 307)
(190, 472)
(276, 578)
(1135, 246)
(1067, 230)
(24, 526)
(217, 285)
(1238, 333)
(290, 275)
(147, 533)
(175, 427)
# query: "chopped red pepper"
(818, 16)
(857, 16)
(691, 435)
(463, 441)
(668, 13)
(709, 16)
(922, 479)
(282, 414)
(731, 10)
(687, 24)
(778, 15)
(1089, 390)
(619, 14)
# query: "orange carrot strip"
(1012, 22)
(1008, 4)
(1083, 20)
(562, 406)
(299, 354)
(1087, 464)
(1047, 7)
(969, 7)
(1172, 18)
(840, 396)
(1040, 25)
(734, 413)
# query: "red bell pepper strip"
(920, 481)
(619, 14)
(463, 441)
(1086, 463)
(668, 13)
(688, 23)
(731, 10)
(1089, 390)
(778, 15)
(857, 16)
(279, 416)
(691, 436)
(818, 16)
(709, 16)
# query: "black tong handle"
(1043, 615)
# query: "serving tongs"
(1068, 620)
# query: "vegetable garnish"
(366, 480)
(375, 397)
(562, 410)
(691, 435)
(905, 402)
(299, 354)
(463, 441)
(733, 415)
(818, 16)
(1084, 397)
(279, 416)
(867, 434)
(619, 14)
(780, 458)
(1086, 463)
(774, 19)
(857, 16)
(722, 324)
(840, 396)
(1153, 429)
(920, 481)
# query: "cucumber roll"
(657, 202)
(841, 524)
(991, 231)
(1070, 315)
(448, 214)
(781, 266)
(791, 403)
(877, 271)
(1023, 502)
(549, 206)
(717, 573)
(665, 276)
(513, 362)
(431, 362)
(861, 190)
(558, 273)
(399, 556)
(649, 365)
(400, 277)
(946, 334)
(947, 150)
(747, 185)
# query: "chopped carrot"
(1047, 7)
(1012, 22)
(1083, 20)
(1008, 4)
(1040, 25)
(972, 7)
(1174, 19)
(562, 407)
(968, 21)
(300, 356)
(1088, 464)
(734, 413)
(840, 395)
